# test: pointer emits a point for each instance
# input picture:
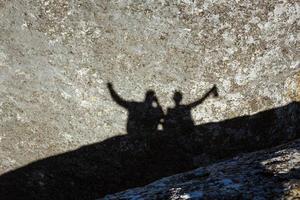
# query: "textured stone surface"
(56, 56)
(271, 174)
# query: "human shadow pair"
(145, 117)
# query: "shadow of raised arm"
(213, 90)
(119, 100)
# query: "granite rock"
(268, 174)
(56, 57)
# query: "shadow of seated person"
(143, 117)
(179, 118)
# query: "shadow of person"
(143, 117)
(179, 118)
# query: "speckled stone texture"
(272, 174)
(56, 57)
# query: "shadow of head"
(177, 97)
(150, 96)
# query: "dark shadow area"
(128, 161)
(178, 119)
(143, 117)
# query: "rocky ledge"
(266, 174)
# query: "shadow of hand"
(109, 85)
(215, 91)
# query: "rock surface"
(268, 174)
(57, 55)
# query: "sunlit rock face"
(56, 57)
(271, 174)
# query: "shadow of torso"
(178, 120)
(142, 118)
